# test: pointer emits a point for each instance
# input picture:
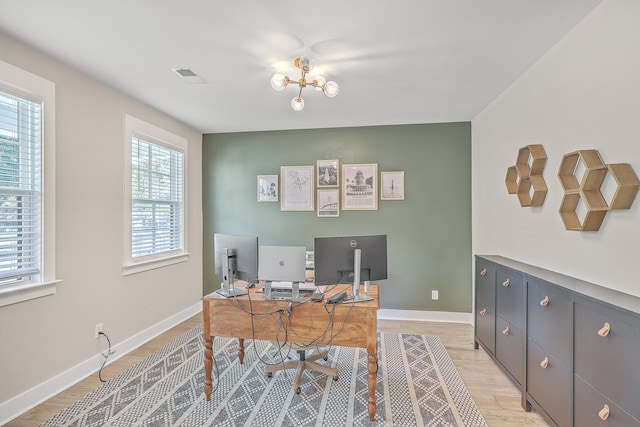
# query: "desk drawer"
(510, 348)
(590, 406)
(550, 319)
(510, 296)
(610, 362)
(549, 382)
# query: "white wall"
(583, 94)
(43, 338)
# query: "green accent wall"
(428, 233)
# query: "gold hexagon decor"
(525, 177)
(587, 189)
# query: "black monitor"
(337, 259)
(235, 258)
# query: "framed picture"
(360, 187)
(267, 188)
(392, 185)
(296, 183)
(328, 175)
(329, 202)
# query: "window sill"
(18, 293)
(139, 267)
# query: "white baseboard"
(18, 405)
(426, 316)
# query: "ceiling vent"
(188, 75)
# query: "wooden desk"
(355, 325)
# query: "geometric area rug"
(417, 385)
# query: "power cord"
(105, 356)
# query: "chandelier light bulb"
(331, 89)
(278, 82)
(297, 103)
(305, 64)
(320, 82)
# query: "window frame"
(135, 127)
(21, 83)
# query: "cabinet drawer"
(549, 382)
(486, 328)
(510, 296)
(510, 348)
(485, 277)
(550, 319)
(609, 362)
(485, 304)
(588, 406)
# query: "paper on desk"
(310, 286)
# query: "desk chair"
(303, 363)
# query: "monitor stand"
(228, 290)
(231, 292)
(356, 296)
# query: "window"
(27, 186)
(155, 212)
(20, 189)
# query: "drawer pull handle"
(545, 301)
(604, 331)
(483, 272)
(483, 312)
(544, 363)
(604, 413)
(505, 331)
(505, 283)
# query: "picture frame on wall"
(392, 185)
(360, 186)
(296, 186)
(328, 202)
(328, 173)
(267, 188)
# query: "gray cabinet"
(510, 322)
(485, 309)
(607, 354)
(571, 346)
(500, 317)
(550, 350)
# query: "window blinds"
(156, 199)
(20, 189)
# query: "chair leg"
(303, 364)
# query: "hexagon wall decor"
(586, 190)
(525, 177)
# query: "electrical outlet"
(434, 295)
(99, 328)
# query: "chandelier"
(279, 82)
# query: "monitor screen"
(282, 263)
(334, 256)
(244, 252)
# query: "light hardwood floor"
(495, 396)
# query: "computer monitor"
(350, 259)
(235, 258)
(282, 263)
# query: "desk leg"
(241, 350)
(372, 350)
(208, 365)
(208, 348)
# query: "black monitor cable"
(105, 355)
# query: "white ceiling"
(397, 62)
